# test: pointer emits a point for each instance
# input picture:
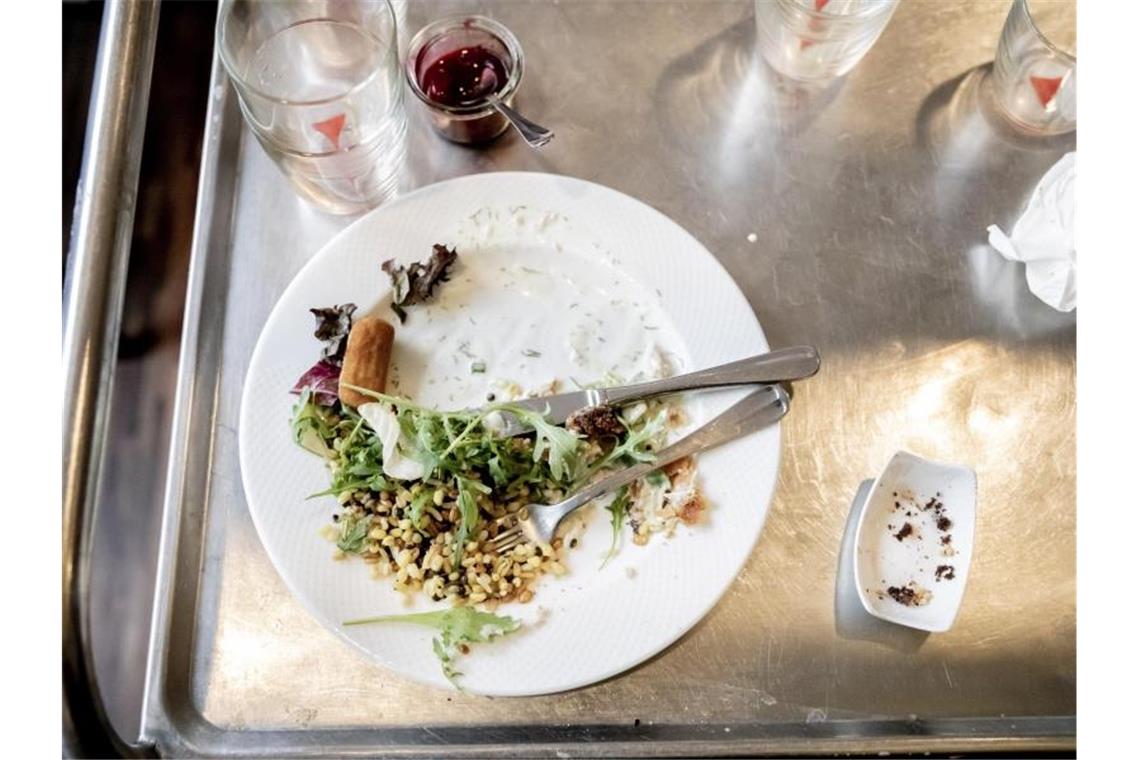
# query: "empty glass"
(1034, 79)
(320, 85)
(819, 39)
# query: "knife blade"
(782, 365)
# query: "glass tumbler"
(1034, 77)
(320, 86)
(813, 40)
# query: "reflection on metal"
(100, 246)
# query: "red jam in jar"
(454, 65)
(463, 76)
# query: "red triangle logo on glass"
(1045, 87)
(805, 44)
(331, 129)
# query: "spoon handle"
(535, 135)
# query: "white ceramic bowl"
(914, 542)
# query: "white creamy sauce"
(537, 308)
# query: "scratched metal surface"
(869, 202)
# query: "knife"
(782, 365)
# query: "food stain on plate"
(526, 310)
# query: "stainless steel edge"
(93, 297)
(181, 524)
(983, 737)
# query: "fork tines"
(508, 540)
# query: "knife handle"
(782, 365)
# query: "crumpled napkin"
(1044, 237)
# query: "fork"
(538, 522)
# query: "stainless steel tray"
(869, 203)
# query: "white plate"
(916, 492)
(592, 623)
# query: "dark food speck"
(902, 594)
(944, 523)
(934, 504)
(944, 573)
(909, 595)
(596, 422)
(906, 530)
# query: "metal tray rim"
(193, 735)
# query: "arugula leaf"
(468, 512)
(498, 471)
(419, 503)
(456, 626)
(638, 446)
(617, 509)
(560, 445)
(313, 425)
(357, 453)
(446, 662)
(353, 534)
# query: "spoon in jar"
(535, 135)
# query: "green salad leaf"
(617, 509)
(640, 442)
(419, 503)
(313, 425)
(640, 445)
(457, 626)
(559, 444)
(468, 511)
(353, 534)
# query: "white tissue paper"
(1044, 237)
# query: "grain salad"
(408, 533)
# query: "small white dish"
(914, 542)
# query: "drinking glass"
(1034, 78)
(819, 39)
(320, 86)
